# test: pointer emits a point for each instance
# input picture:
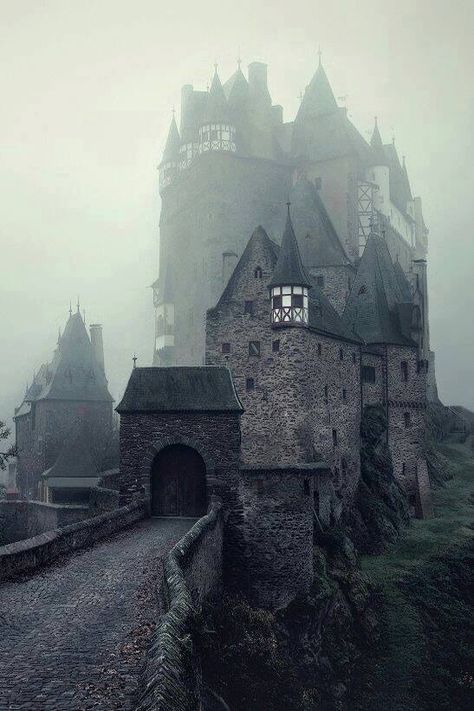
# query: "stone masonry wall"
(215, 436)
(288, 418)
(277, 528)
(192, 575)
(374, 393)
(24, 519)
(337, 284)
(406, 439)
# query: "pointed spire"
(78, 306)
(59, 336)
(406, 181)
(376, 143)
(70, 307)
(217, 102)
(319, 98)
(135, 358)
(289, 270)
(173, 141)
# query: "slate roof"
(402, 281)
(318, 98)
(236, 88)
(180, 389)
(172, 142)
(73, 374)
(329, 136)
(399, 193)
(217, 109)
(289, 268)
(379, 156)
(317, 238)
(323, 318)
(373, 307)
(74, 461)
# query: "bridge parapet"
(27, 555)
(192, 575)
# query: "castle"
(67, 402)
(234, 163)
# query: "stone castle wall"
(337, 284)
(24, 519)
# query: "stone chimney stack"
(97, 343)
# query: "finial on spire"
(320, 54)
(134, 361)
(78, 306)
(70, 307)
(173, 112)
(84, 315)
(300, 96)
(215, 67)
(59, 335)
(239, 59)
(376, 121)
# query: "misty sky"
(86, 91)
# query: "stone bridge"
(73, 635)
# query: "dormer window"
(217, 137)
(290, 304)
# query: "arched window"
(258, 273)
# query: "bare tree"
(11, 451)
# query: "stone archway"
(178, 482)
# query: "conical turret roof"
(289, 270)
(379, 156)
(217, 110)
(318, 98)
(373, 306)
(236, 88)
(172, 142)
(318, 240)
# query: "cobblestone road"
(72, 637)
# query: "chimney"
(258, 78)
(97, 344)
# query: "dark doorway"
(178, 482)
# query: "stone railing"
(102, 500)
(192, 575)
(27, 555)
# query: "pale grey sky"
(86, 94)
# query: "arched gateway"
(179, 438)
(178, 482)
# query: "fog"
(86, 95)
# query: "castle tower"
(289, 284)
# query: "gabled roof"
(317, 238)
(406, 181)
(289, 268)
(74, 373)
(180, 389)
(323, 318)
(373, 307)
(328, 136)
(172, 143)
(399, 194)
(75, 460)
(318, 98)
(260, 241)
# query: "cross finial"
(288, 205)
(376, 121)
(78, 305)
(239, 60)
(59, 335)
(134, 361)
(173, 112)
(215, 67)
(70, 307)
(300, 96)
(320, 54)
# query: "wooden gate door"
(178, 482)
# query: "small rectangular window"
(320, 281)
(326, 392)
(250, 384)
(226, 347)
(344, 394)
(341, 354)
(407, 419)
(254, 348)
(319, 349)
(248, 308)
(368, 374)
(276, 346)
(334, 438)
(404, 368)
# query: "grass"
(424, 609)
(423, 539)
